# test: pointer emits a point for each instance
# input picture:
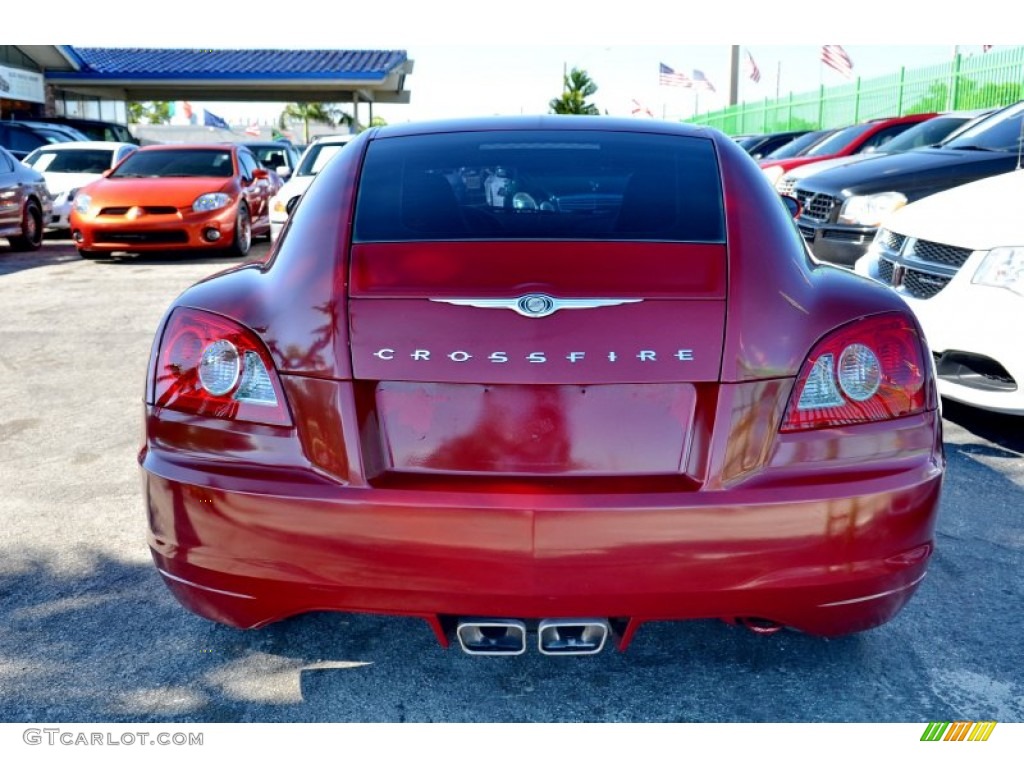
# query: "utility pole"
(734, 74)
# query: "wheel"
(243, 233)
(31, 236)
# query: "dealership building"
(97, 83)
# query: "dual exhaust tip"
(555, 637)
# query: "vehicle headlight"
(869, 210)
(82, 203)
(1002, 268)
(773, 173)
(211, 202)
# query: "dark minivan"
(842, 207)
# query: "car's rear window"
(540, 185)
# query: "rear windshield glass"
(540, 185)
(177, 162)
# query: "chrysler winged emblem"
(537, 304)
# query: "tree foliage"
(152, 112)
(316, 112)
(577, 88)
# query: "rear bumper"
(826, 559)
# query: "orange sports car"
(175, 197)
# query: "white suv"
(957, 258)
(313, 159)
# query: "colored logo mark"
(959, 731)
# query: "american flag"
(668, 76)
(986, 48)
(752, 71)
(639, 110)
(835, 57)
(700, 80)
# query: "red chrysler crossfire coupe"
(537, 381)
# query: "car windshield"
(163, 163)
(798, 145)
(540, 185)
(838, 140)
(999, 133)
(316, 157)
(925, 134)
(54, 160)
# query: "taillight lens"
(870, 370)
(211, 366)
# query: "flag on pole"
(668, 76)
(986, 48)
(835, 57)
(700, 80)
(253, 130)
(216, 121)
(752, 70)
(639, 110)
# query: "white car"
(313, 159)
(68, 166)
(957, 258)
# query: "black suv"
(842, 207)
(19, 137)
(96, 130)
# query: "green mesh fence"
(993, 79)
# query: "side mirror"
(792, 205)
(283, 171)
(260, 173)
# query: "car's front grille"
(149, 209)
(891, 240)
(121, 237)
(817, 207)
(785, 186)
(923, 285)
(925, 250)
(921, 267)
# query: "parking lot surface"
(88, 632)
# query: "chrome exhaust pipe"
(572, 637)
(492, 637)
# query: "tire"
(31, 237)
(242, 241)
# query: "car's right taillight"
(870, 370)
(212, 366)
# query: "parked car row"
(934, 214)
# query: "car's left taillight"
(873, 369)
(209, 365)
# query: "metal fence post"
(899, 92)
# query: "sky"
(480, 58)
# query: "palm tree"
(315, 111)
(577, 88)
